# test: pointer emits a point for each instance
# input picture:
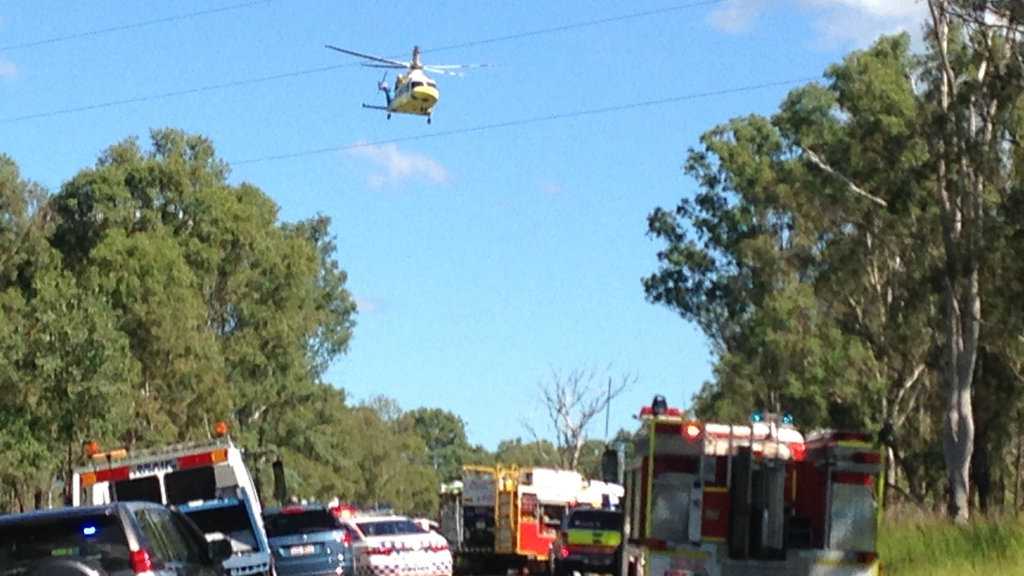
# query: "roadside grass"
(912, 544)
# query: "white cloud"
(860, 22)
(736, 15)
(847, 23)
(877, 8)
(397, 166)
(7, 68)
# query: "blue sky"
(481, 261)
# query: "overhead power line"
(173, 93)
(527, 121)
(321, 69)
(576, 25)
(130, 26)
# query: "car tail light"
(140, 561)
(345, 537)
(564, 552)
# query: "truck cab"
(589, 541)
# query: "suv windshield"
(390, 528)
(98, 539)
(287, 524)
(596, 520)
(226, 522)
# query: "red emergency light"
(203, 459)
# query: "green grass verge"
(933, 547)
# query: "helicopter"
(414, 92)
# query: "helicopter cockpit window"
(417, 84)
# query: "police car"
(397, 546)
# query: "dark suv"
(119, 539)
(308, 540)
(590, 540)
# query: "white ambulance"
(208, 481)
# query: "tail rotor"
(383, 87)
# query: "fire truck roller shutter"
(671, 506)
(852, 522)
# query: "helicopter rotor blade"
(370, 65)
(395, 63)
(455, 66)
(433, 70)
(451, 69)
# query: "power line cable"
(174, 93)
(526, 121)
(576, 25)
(322, 69)
(130, 26)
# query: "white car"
(397, 546)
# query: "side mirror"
(220, 550)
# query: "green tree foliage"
(769, 257)
(444, 434)
(393, 460)
(65, 371)
(519, 453)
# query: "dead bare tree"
(572, 401)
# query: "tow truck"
(709, 499)
(208, 481)
(506, 517)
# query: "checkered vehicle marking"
(436, 568)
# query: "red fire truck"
(500, 518)
(705, 499)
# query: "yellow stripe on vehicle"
(583, 537)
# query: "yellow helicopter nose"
(426, 95)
